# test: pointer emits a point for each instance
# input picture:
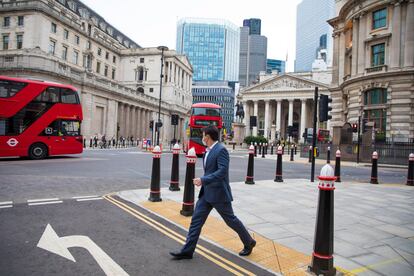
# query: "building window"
(87, 62)
(106, 71)
(88, 45)
(113, 74)
(373, 97)
(52, 47)
(75, 57)
(99, 51)
(6, 21)
(5, 42)
(139, 74)
(151, 89)
(19, 39)
(20, 20)
(64, 52)
(378, 55)
(379, 18)
(65, 34)
(98, 67)
(141, 60)
(77, 39)
(53, 28)
(114, 59)
(107, 55)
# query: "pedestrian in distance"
(215, 193)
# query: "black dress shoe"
(178, 255)
(247, 250)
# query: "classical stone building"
(118, 81)
(373, 66)
(279, 101)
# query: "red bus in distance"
(39, 119)
(202, 115)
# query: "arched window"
(375, 110)
(140, 90)
(139, 73)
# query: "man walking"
(215, 193)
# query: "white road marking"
(41, 199)
(6, 206)
(6, 202)
(86, 199)
(88, 196)
(45, 203)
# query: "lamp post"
(158, 124)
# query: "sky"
(152, 23)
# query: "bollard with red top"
(188, 197)
(174, 182)
(410, 176)
(250, 167)
(328, 156)
(155, 192)
(278, 177)
(338, 166)
(374, 168)
(291, 154)
(323, 247)
(310, 154)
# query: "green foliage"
(255, 139)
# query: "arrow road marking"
(50, 241)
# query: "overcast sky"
(152, 23)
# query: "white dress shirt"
(207, 151)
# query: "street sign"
(50, 241)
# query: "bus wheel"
(37, 151)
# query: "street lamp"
(158, 124)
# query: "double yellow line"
(213, 257)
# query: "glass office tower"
(275, 64)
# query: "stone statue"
(240, 111)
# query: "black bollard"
(271, 149)
(278, 177)
(174, 182)
(250, 167)
(310, 154)
(410, 176)
(328, 156)
(188, 197)
(260, 148)
(263, 150)
(323, 247)
(84, 143)
(338, 166)
(255, 149)
(291, 153)
(155, 192)
(374, 168)
(296, 149)
(90, 143)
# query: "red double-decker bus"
(202, 115)
(38, 119)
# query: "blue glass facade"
(275, 64)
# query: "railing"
(380, 68)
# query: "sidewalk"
(374, 225)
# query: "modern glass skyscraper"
(275, 64)
(212, 45)
(311, 26)
(254, 24)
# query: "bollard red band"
(155, 192)
(249, 177)
(188, 203)
(174, 182)
(320, 256)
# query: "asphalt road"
(136, 247)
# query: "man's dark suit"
(215, 193)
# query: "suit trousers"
(201, 212)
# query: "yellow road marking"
(369, 267)
(215, 258)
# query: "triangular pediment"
(285, 82)
(184, 59)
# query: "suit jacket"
(215, 182)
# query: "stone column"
(133, 121)
(111, 118)
(256, 113)
(290, 118)
(139, 122)
(303, 115)
(409, 36)
(361, 44)
(247, 117)
(355, 38)
(267, 125)
(87, 104)
(395, 50)
(121, 119)
(127, 120)
(279, 117)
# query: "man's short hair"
(211, 131)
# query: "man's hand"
(197, 182)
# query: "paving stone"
(298, 243)
(397, 230)
(347, 249)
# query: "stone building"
(373, 67)
(118, 82)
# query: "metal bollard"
(328, 156)
(338, 166)
(310, 154)
(323, 247)
(90, 143)
(250, 167)
(374, 168)
(188, 197)
(174, 182)
(263, 150)
(271, 149)
(291, 154)
(260, 148)
(278, 177)
(255, 149)
(410, 176)
(155, 192)
(296, 149)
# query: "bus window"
(69, 96)
(50, 95)
(10, 88)
(70, 128)
(197, 111)
(52, 129)
(196, 134)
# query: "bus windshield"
(200, 111)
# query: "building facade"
(253, 52)
(311, 17)
(220, 93)
(212, 46)
(117, 80)
(373, 67)
(275, 65)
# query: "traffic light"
(151, 124)
(355, 128)
(324, 108)
(364, 125)
(174, 119)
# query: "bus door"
(63, 137)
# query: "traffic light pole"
(359, 138)
(315, 118)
